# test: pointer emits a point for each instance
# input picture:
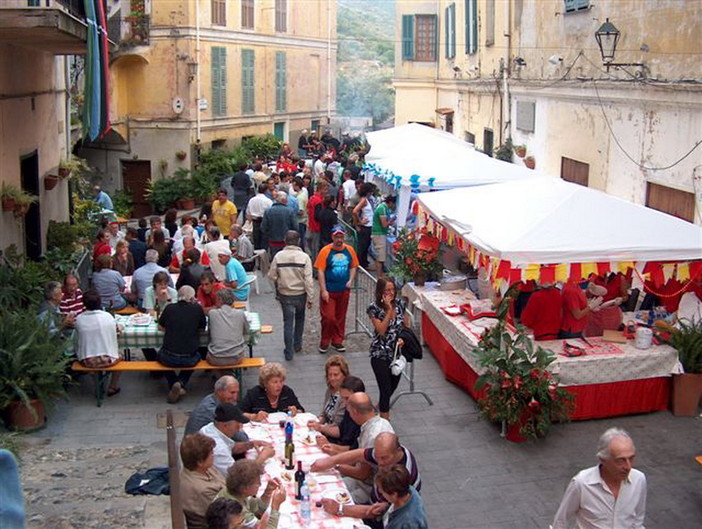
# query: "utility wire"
(616, 140)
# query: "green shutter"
(248, 103)
(219, 81)
(407, 37)
(450, 33)
(576, 5)
(471, 26)
(280, 81)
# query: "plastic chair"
(241, 287)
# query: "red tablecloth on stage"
(593, 401)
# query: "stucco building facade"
(35, 121)
(532, 71)
(202, 74)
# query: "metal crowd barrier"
(83, 270)
(364, 292)
(351, 234)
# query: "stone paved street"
(75, 469)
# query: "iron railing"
(363, 291)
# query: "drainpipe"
(329, 62)
(197, 84)
(505, 126)
(67, 88)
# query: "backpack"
(412, 348)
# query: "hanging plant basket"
(530, 162)
(64, 172)
(520, 150)
(181, 155)
(51, 181)
(21, 210)
(8, 203)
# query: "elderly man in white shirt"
(228, 419)
(255, 209)
(611, 495)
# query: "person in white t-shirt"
(96, 336)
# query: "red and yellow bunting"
(654, 275)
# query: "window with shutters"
(248, 104)
(575, 171)
(573, 6)
(471, 12)
(425, 38)
(408, 37)
(219, 81)
(678, 203)
(219, 12)
(247, 14)
(281, 16)
(280, 81)
(488, 142)
(450, 14)
(490, 23)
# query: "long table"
(625, 382)
(149, 336)
(322, 484)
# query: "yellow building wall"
(32, 118)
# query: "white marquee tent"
(419, 158)
(549, 221)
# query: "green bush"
(123, 203)
(32, 360)
(264, 147)
(68, 237)
(163, 193)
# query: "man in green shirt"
(379, 231)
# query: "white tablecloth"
(630, 364)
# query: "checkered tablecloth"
(322, 485)
(142, 336)
(629, 364)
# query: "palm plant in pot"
(516, 386)
(33, 369)
(686, 338)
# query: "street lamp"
(192, 70)
(607, 39)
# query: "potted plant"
(686, 338)
(504, 151)
(516, 386)
(22, 202)
(73, 165)
(51, 181)
(123, 203)
(9, 194)
(33, 369)
(181, 155)
(530, 162)
(520, 150)
(184, 185)
(417, 257)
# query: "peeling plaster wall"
(29, 77)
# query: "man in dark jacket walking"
(277, 221)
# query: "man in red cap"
(336, 266)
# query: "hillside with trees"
(365, 59)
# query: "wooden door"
(29, 172)
(136, 175)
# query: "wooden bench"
(101, 373)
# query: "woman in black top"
(170, 221)
(191, 270)
(271, 395)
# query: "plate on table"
(275, 418)
(310, 439)
(301, 419)
(341, 496)
(140, 320)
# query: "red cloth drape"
(594, 401)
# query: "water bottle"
(288, 428)
(305, 512)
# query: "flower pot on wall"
(51, 181)
(64, 172)
(686, 394)
(23, 418)
(520, 151)
(8, 204)
(530, 162)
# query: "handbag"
(397, 366)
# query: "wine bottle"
(299, 480)
(289, 455)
